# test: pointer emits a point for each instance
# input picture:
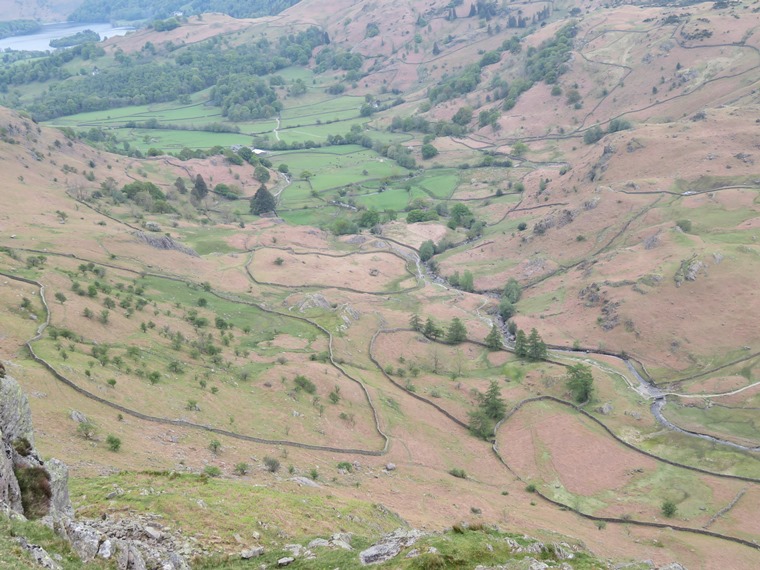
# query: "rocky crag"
(33, 488)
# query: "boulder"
(389, 546)
(287, 561)
(254, 552)
(39, 554)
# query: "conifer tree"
(431, 330)
(262, 202)
(457, 332)
(493, 340)
(415, 322)
(536, 346)
(200, 189)
(521, 344)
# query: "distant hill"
(42, 10)
(131, 10)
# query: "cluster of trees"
(456, 332)
(337, 58)
(595, 133)
(531, 347)
(132, 10)
(148, 196)
(420, 124)
(19, 28)
(142, 78)
(42, 69)
(548, 62)
(83, 37)
(243, 98)
(509, 296)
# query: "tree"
(466, 282)
(506, 308)
(429, 151)
(463, 116)
(60, 297)
(215, 446)
(480, 424)
(492, 403)
(512, 290)
(415, 322)
(427, 250)
(457, 332)
(580, 381)
(536, 346)
(200, 189)
(521, 344)
(261, 174)
(493, 340)
(263, 201)
(369, 218)
(432, 330)
(179, 184)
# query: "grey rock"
(60, 504)
(605, 409)
(287, 561)
(106, 549)
(305, 481)
(389, 546)
(252, 553)
(319, 543)
(153, 533)
(341, 544)
(672, 566)
(390, 467)
(78, 417)
(129, 558)
(39, 554)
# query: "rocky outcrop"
(134, 544)
(389, 546)
(165, 243)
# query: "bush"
(459, 473)
(594, 134)
(303, 383)
(531, 488)
(271, 464)
(212, 471)
(242, 468)
(685, 225)
(34, 483)
(215, 446)
(22, 446)
(668, 508)
(346, 466)
(113, 442)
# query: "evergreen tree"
(262, 202)
(200, 189)
(431, 330)
(179, 184)
(492, 403)
(521, 344)
(436, 49)
(457, 332)
(536, 346)
(493, 340)
(480, 424)
(580, 381)
(466, 282)
(473, 11)
(415, 322)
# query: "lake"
(40, 41)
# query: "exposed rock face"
(133, 544)
(165, 242)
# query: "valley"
(499, 282)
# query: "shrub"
(242, 468)
(685, 225)
(594, 134)
(215, 446)
(212, 471)
(346, 466)
(87, 430)
(22, 446)
(271, 464)
(531, 488)
(303, 383)
(34, 483)
(314, 474)
(459, 473)
(113, 442)
(668, 508)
